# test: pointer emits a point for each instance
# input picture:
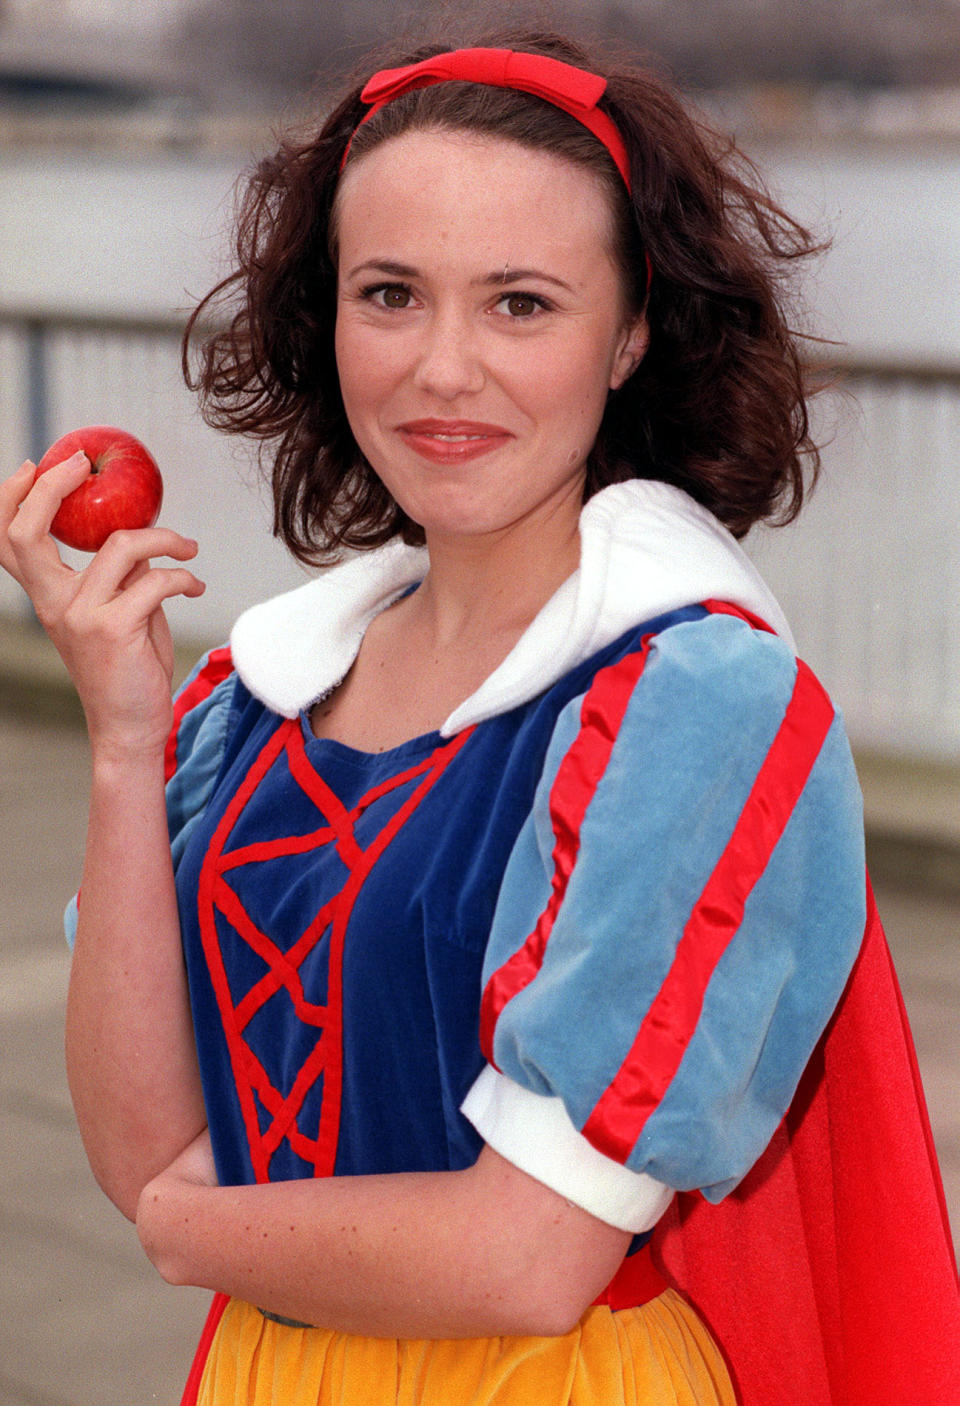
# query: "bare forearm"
(482, 1252)
(130, 1050)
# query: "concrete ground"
(84, 1321)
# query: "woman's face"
(481, 324)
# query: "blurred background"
(123, 131)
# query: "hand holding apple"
(106, 618)
(123, 490)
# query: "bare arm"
(131, 1058)
(130, 1050)
(476, 1253)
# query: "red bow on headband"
(574, 90)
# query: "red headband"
(573, 89)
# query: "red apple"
(123, 489)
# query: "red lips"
(452, 441)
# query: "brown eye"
(395, 296)
(521, 304)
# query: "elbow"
(551, 1320)
(118, 1188)
(119, 1176)
(544, 1303)
(548, 1260)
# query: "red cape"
(828, 1277)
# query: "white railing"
(869, 576)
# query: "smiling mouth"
(452, 443)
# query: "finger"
(106, 626)
(141, 569)
(127, 554)
(135, 606)
(140, 608)
(49, 488)
(157, 627)
(30, 507)
(15, 488)
(12, 493)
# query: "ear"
(630, 351)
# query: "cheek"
(363, 369)
(573, 386)
(349, 356)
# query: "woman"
(517, 863)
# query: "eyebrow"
(512, 275)
(490, 280)
(384, 266)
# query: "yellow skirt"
(656, 1355)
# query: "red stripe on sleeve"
(622, 1111)
(574, 787)
(723, 607)
(218, 666)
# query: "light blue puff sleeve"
(196, 751)
(662, 965)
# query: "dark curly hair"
(716, 407)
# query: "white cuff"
(535, 1133)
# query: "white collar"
(646, 548)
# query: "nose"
(449, 362)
